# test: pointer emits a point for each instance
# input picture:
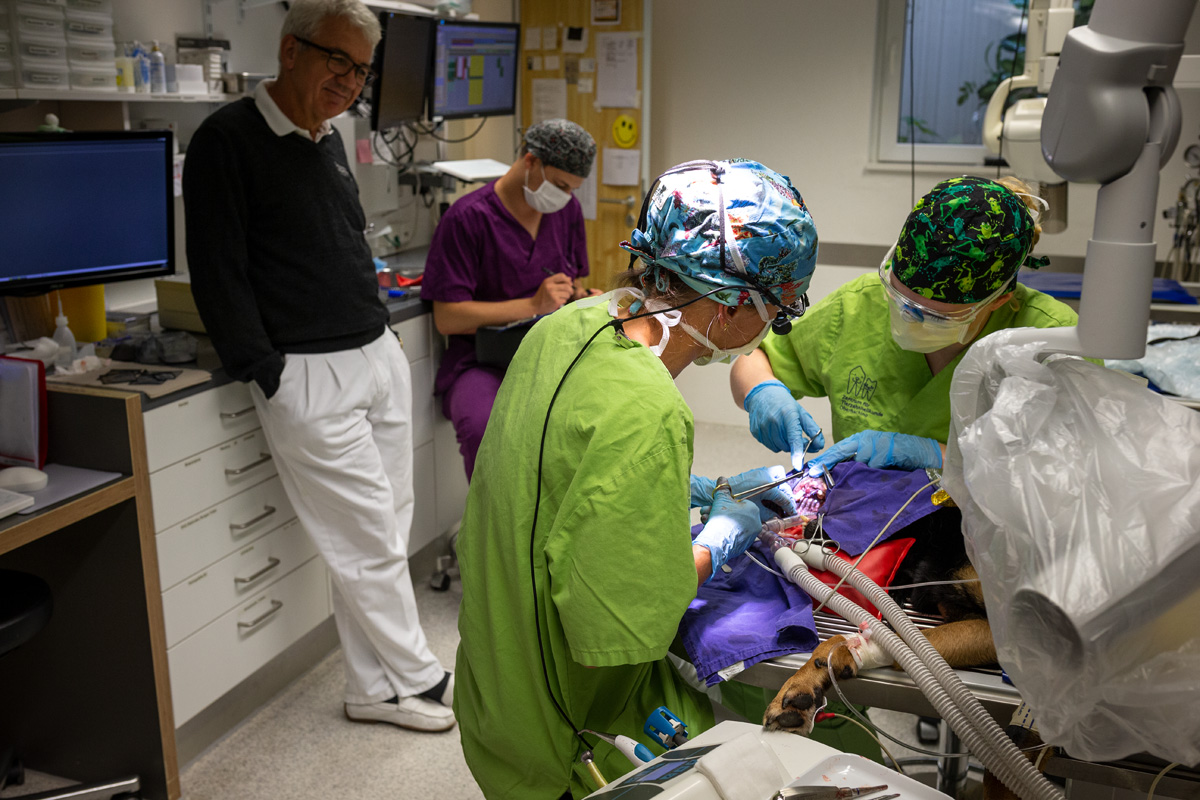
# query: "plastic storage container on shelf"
(43, 77)
(102, 6)
(8, 74)
(92, 55)
(33, 18)
(55, 3)
(95, 78)
(41, 50)
(88, 27)
(6, 44)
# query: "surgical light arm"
(1113, 117)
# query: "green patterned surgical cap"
(964, 241)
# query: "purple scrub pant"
(468, 404)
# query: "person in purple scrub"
(512, 250)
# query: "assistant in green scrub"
(883, 348)
(567, 625)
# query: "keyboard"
(12, 502)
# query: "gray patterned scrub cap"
(562, 144)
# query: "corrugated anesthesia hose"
(1002, 758)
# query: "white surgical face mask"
(667, 319)
(548, 198)
(724, 356)
(925, 337)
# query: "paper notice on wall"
(586, 195)
(587, 65)
(616, 70)
(550, 62)
(622, 167)
(575, 40)
(550, 38)
(549, 99)
(584, 86)
(533, 39)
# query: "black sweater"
(275, 245)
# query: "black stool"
(25, 607)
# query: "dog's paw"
(797, 704)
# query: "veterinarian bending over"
(884, 347)
(582, 641)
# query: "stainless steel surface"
(90, 791)
(237, 414)
(272, 563)
(241, 526)
(1134, 774)
(887, 688)
(263, 617)
(265, 457)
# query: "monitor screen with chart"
(474, 69)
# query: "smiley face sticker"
(625, 131)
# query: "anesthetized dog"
(964, 640)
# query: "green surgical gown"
(842, 348)
(612, 561)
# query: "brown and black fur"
(964, 640)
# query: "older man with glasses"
(285, 284)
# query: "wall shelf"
(126, 97)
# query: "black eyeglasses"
(340, 64)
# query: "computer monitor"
(85, 208)
(402, 63)
(475, 69)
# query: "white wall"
(791, 83)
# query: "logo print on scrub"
(859, 386)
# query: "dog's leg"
(965, 643)
(795, 707)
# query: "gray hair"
(304, 18)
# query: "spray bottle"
(63, 338)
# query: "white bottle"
(64, 339)
(158, 71)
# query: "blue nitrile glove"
(780, 423)
(732, 526)
(774, 502)
(881, 449)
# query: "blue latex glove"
(780, 423)
(732, 526)
(774, 502)
(881, 449)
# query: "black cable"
(1023, 34)
(912, 133)
(432, 132)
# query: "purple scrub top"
(480, 252)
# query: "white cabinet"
(241, 581)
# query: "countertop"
(399, 310)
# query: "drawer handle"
(241, 526)
(272, 563)
(237, 414)
(261, 618)
(242, 470)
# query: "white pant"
(340, 429)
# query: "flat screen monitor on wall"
(85, 208)
(402, 63)
(475, 69)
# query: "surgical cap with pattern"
(771, 229)
(562, 144)
(964, 241)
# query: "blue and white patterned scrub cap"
(766, 221)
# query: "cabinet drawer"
(187, 487)
(207, 595)
(422, 401)
(414, 336)
(197, 423)
(215, 532)
(217, 657)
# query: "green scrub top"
(842, 348)
(612, 561)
